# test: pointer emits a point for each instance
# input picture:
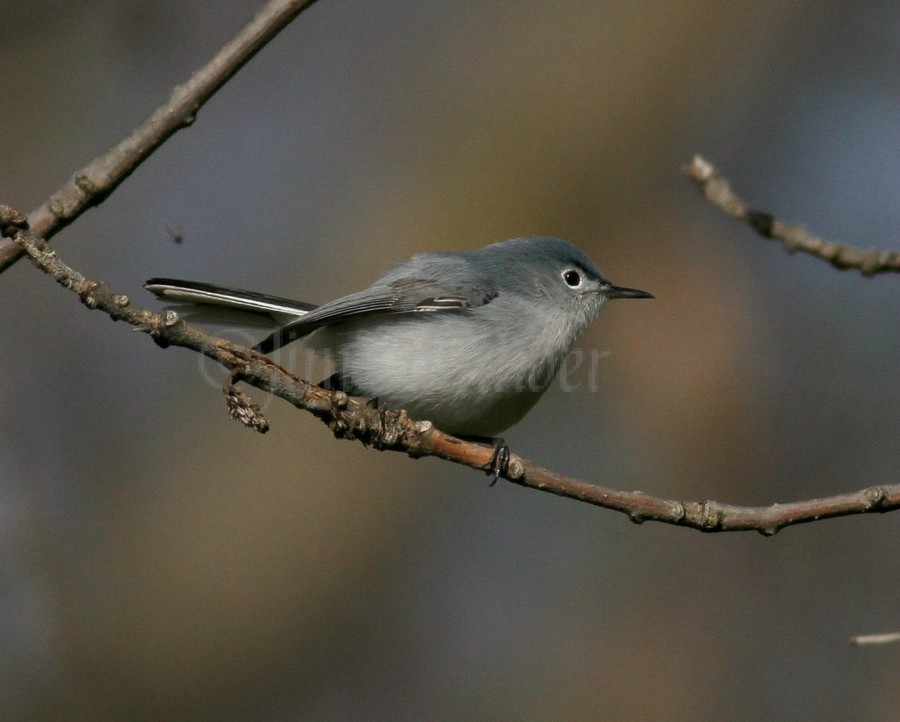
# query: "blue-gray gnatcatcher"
(469, 341)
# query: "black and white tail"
(195, 293)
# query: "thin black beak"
(621, 292)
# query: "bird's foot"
(499, 463)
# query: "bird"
(467, 340)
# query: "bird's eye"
(572, 278)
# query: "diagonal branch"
(795, 238)
(92, 184)
(392, 430)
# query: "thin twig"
(871, 640)
(92, 184)
(795, 238)
(392, 430)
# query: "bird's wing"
(401, 295)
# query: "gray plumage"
(468, 340)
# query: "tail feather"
(196, 292)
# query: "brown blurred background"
(158, 561)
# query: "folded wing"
(402, 295)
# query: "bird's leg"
(373, 404)
(337, 382)
(499, 463)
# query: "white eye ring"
(571, 277)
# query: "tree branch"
(871, 640)
(795, 238)
(393, 430)
(92, 184)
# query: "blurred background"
(159, 561)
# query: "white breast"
(451, 368)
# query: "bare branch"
(241, 408)
(871, 640)
(795, 238)
(92, 184)
(392, 430)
